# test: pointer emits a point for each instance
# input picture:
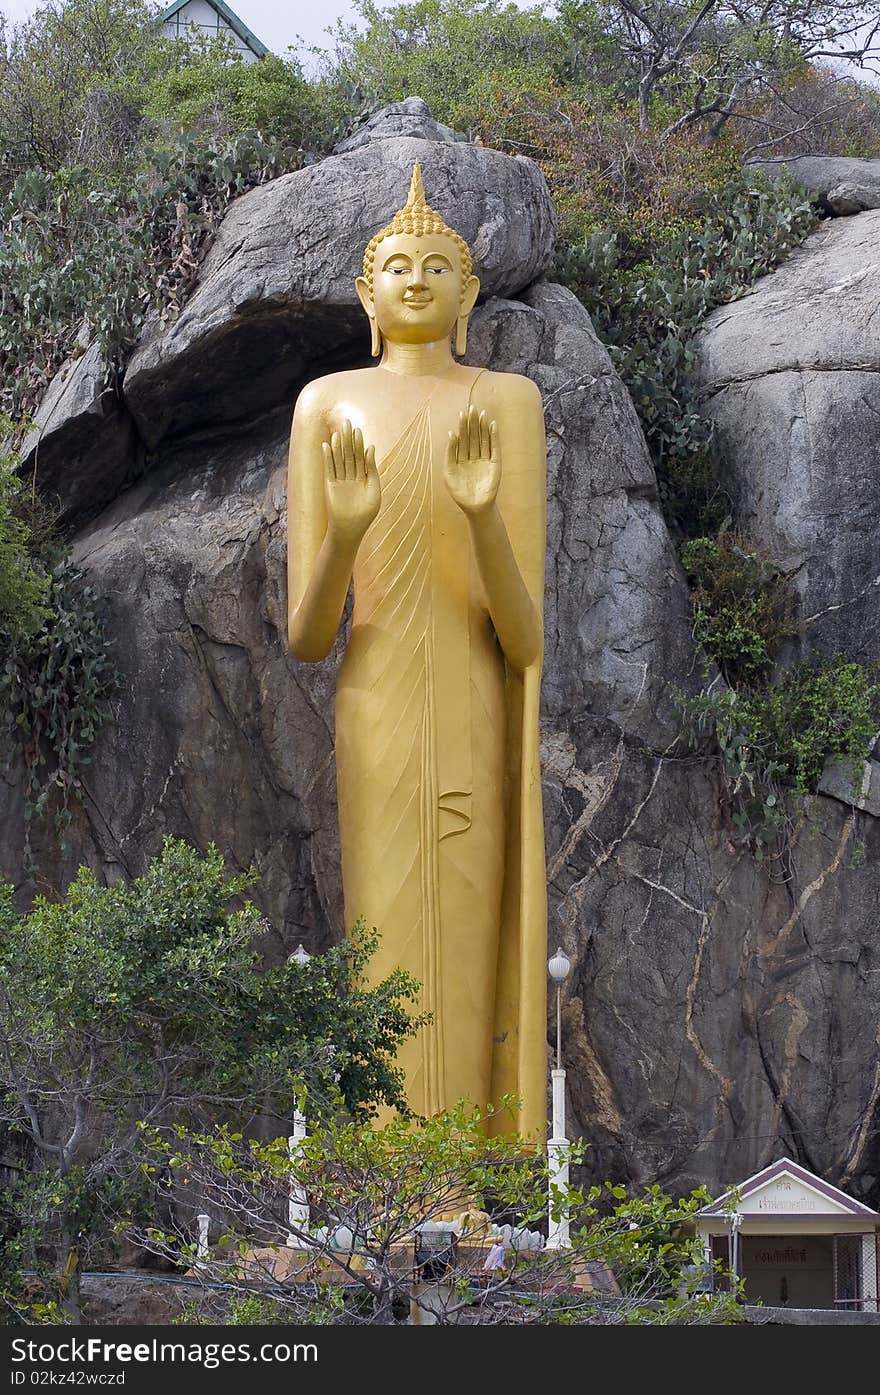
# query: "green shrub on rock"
(23, 584)
(648, 312)
(73, 253)
(773, 733)
(775, 741)
(56, 684)
(739, 599)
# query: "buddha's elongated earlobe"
(470, 291)
(364, 288)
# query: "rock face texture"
(791, 375)
(411, 117)
(720, 1012)
(838, 184)
(83, 448)
(142, 1300)
(616, 615)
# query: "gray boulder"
(859, 787)
(82, 448)
(839, 185)
(411, 117)
(276, 291)
(790, 374)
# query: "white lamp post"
(202, 1243)
(298, 1203)
(558, 1146)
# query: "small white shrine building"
(212, 18)
(795, 1241)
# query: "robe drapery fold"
(439, 791)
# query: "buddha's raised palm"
(473, 462)
(351, 483)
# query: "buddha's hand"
(351, 484)
(473, 463)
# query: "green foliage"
(210, 89)
(739, 599)
(117, 961)
(23, 1301)
(647, 313)
(56, 684)
(23, 585)
(149, 1001)
(773, 736)
(66, 72)
(52, 249)
(778, 738)
(73, 252)
(384, 1184)
(821, 712)
(250, 1310)
(466, 58)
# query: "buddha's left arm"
(509, 537)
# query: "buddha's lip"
(418, 300)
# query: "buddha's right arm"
(313, 624)
(319, 560)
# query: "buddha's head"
(417, 285)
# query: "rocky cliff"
(717, 1015)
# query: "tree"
(468, 59)
(398, 1222)
(714, 60)
(209, 88)
(93, 83)
(68, 74)
(149, 1002)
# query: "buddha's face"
(418, 288)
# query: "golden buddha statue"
(423, 482)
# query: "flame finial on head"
(416, 197)
(419, 218)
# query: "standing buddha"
(422, 481)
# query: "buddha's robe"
(436, 745)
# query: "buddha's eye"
(437, 270)
(397, 270)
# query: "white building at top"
(211, 18)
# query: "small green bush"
(776, 740)
(827, 711)
(465, 58)
(56, 683)
(739, 598)
(211, 91)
